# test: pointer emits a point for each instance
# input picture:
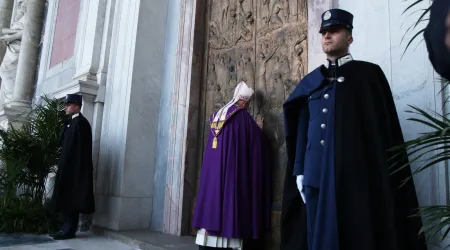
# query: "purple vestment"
(234, 196)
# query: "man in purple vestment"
(234, 198)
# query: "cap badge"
(327, 15)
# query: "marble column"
(91, 58)
(28, 58)
(124, 186)
(181, 162)
(6, 8)
(89, 39)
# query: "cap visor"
(332, 25)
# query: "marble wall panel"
(129, 132)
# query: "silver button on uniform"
(325, 110)
(322, 142)
(323, 126)
(341, 79)
(326, 96)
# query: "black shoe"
(55, 234)
(64, 236)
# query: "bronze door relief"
(264, 43)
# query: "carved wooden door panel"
(264, 43)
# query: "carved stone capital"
(87, 89)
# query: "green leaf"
(425, 11)
(412, 5)
(29, 154)
(419, 20)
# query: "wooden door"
(264, 43)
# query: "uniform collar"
(339, 62)
(75, 115)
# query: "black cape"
(372, 210)
(73, 190)
(434, 36)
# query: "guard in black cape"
(73, 192)
(340, 122)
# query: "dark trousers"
(312, 202)
(70, 225)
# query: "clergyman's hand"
(260, 121)
(300, 187)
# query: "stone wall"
(128, 142)
(159, 185)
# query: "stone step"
(148, 239)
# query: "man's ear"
(350, 40)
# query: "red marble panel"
(65, 31)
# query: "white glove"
(300, 187)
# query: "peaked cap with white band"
(241, 92)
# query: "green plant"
(422, 18)
(26, 214)
(430, 149)
(28, 155)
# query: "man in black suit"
(73, 192)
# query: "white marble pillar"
(178, 196)
(91, 59)
(124, 186)
(89, 39)
(102, 76)
(28, 58)
(6, 8)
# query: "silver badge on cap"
(341, 79)
(327, 15)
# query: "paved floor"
(149, 240)
(84, 241)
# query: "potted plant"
(28, 155)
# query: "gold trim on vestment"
(216, 127)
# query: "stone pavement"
(84, 241)
(148, 239)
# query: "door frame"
(183, 159)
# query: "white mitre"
(241, 92)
